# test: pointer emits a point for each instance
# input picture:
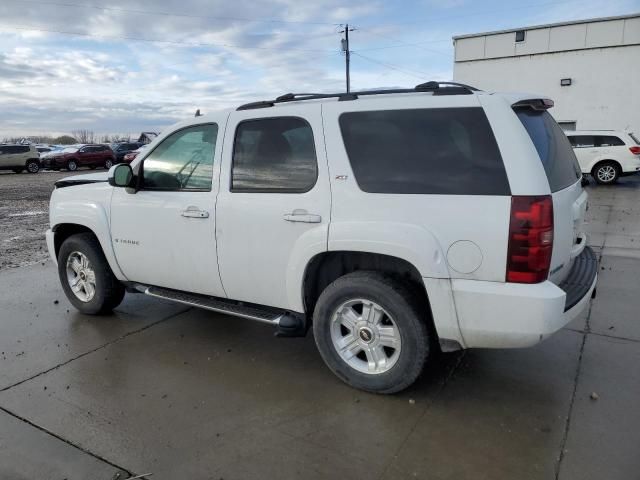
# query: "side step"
(288, 324)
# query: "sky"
(126, 66)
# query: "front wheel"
(87, 279)
(370, 332)
(606, 173)
(72, 166)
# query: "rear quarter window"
(424, 151)
(553, 147)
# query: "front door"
(164, 234)
(274, 203)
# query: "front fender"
(92, 213)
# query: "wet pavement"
(184, 393)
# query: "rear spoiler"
(534, 103)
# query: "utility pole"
(347, 53)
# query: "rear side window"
(582, 141)
(9, 149)
(553, 148)
(424, 151)
(274, 155)
(634, 138)
(609, 141)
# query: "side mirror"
(121, 175)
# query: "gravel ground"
(24, 216)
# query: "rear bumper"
(512, 315)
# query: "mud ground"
(24, 216)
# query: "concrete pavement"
(184, 393)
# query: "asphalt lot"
(188, 394)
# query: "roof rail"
(448, 88)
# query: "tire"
(108, 164)
(72, 166)
(108, 292)
(398, 310)
(33, 166)
(606, 173)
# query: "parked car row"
(32, 158)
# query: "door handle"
(195, 212)
(300, 215)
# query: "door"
(164, 233)
(86, 156)
(13, 155)
(274, 203)
(585, 149)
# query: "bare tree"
(84, 136)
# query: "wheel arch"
(599, 162)
(64, 229)
(326, 267)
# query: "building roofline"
(548, 25)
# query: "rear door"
(584, 149)
(274, 203)
(564, 176)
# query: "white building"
(590, 68)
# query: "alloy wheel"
(365, 336)
(81, 276)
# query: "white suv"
(395, 222)
(606, 154)
(19, 158)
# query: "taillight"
(635, 150)
(530, 239)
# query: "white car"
(606, 154)
(393, 222)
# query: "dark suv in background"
(76, 156)
(121, 149)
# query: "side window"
(183, 161)
(609, 141)
(274, 155)
(583, 141)
(449, 151)
(572, 140)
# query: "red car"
(77, 156)
(129, 157)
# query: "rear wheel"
(371, 333)
(108, 164)
(33, 166)
(72, 166)
(606, 173)
(87, 279)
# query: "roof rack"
(437, 88)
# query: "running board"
(288, 324)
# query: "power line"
(172, 14)
(421, 75)
(474, 14)
(400, 43)
(152, 40)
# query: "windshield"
(70, 150)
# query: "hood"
(83, 179)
